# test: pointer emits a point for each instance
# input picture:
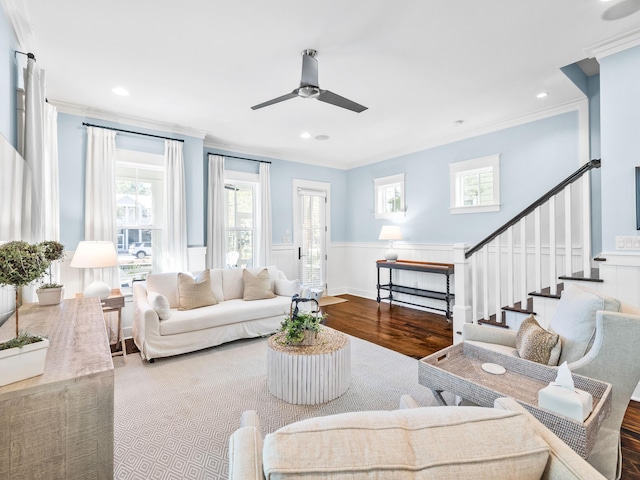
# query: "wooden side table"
(114, 303)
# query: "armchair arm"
(478, 333)
(245, 449)
(563, 461)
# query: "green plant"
(20, 264)
(295, 325)
(24, 338)
(53, 252)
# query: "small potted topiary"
(23, 356)
(51, 293)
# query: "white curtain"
(33, 152)
(216, 244)
(174, 238)
(100, 196)
(51, 188)
(264, 220)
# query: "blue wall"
(8, 79)
(72, 146)
(620, 119)
(533, 158)
(282, 175)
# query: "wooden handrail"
(595, 163)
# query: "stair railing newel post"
(462, 285)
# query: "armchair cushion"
(408, 444)
(536, 344)
(575, 320)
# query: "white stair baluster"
(538, 250)
(510, 278)
(498, 279)
(474, 287)
(485, 282)
(568, 241)
(586, 225)
(553, 276)
(523, 263)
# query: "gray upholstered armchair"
(599, 340)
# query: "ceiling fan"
(309, 88)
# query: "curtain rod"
(241, 158)
(129, 131)
(28, 55)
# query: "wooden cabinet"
(59, 425)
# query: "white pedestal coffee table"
(309, 375)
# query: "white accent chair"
(599, 337)
(412, 443)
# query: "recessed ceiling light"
(458, 122)
(123, 92)
(542, 94)
(322, 137)
(305, 135)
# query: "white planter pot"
(19, 363)
(50, 296)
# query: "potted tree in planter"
(51, 293)
(23, 356)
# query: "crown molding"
(84, 111)
(614, 45)
(575, 105)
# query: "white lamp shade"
(94, 254)
(390, 232)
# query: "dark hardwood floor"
(418, 334)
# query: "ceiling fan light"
(308, 92)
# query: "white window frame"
(252, 179)
(379, 186)
(459, 169)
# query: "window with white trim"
(475, 185)
(240, 191)
(389, 196)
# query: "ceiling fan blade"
(276, 100)
(335, 99)
(309, 70)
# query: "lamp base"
(97, 289)
(391, 255)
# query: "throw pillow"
(195, 292)
(257, 287)
(288, 288)
(536, 344)
(575, 320)
(160, 304)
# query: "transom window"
(475, 185)
(389, 196)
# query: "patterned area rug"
(173, 418)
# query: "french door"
(311, 232)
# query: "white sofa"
(410, 443)
(230, 319)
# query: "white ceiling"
(418, 65)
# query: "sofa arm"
(245, 449)
(478, 333)
(563, 462)
(407, 401)
(145, 319)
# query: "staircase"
(531, 256)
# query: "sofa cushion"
(256, 287)
(575, 320)
(165, 284)
(195, 292)
(288, 288)
(536, 344)
(224, 313)
(232, 284)
(428, 442)
(160, 304)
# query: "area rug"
(173, 418)
(324, 301)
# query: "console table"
(446, 269)
(60, 424)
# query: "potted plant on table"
(51, 293)
(23, 356)
(301, 328)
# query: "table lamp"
(391, 233)
(96, 255)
